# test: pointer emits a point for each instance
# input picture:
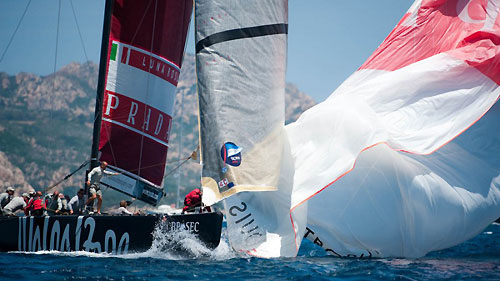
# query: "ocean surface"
(476, 259)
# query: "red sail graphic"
(146, 49)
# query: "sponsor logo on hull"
(58, 236)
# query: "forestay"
(420, 121)
(241, 62)
(146, 46)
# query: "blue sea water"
(476, 259)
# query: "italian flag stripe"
(112, 56)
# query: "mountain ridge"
(46, 126)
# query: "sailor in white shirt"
(77, 203)
(6, 197)
(123, 209)
(17, 203)
(94, 180)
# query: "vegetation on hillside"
(46, 128)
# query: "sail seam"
(240, 33)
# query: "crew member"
(94, 182)
(64, 204)
(77, 203)
(6, 197)
(32, 194)
(192, 200)
(53, 203)
(36, 205)
(123, 209)
(16, 204)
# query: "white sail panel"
(379, 162)
(241, 63)
(405, 205)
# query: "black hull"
(112, 234)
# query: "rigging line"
(67, 176)
(193, 155)
(55, 62)
(177, 167)
(108, 132)
(177, 195)
(15, 31)
(177, 199)
(78, 28)
(57, 41)
(93, 122)
(140, 23)
(147, 85)
(147, 167)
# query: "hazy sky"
(328, 39)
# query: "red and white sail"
(146, 44)
(404, 157)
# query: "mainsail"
(403, 158)
(241, 62)
(146, 47)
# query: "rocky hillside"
(46, 127)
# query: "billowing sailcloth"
(404, 157)
(146, 46)
(241, 63)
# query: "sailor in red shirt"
(192, 200)
(36, 205)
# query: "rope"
(177, 167)
(15, 31)
(67, 176)
(194, 155)
(51, 101)
(184, 160)
(78, 28)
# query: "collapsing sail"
(420, 121)
(241, 63)
(146, 47)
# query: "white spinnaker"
(241, 63)
(396, 203)
(400, 160)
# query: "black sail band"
(240, 33)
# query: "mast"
(94, 162)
